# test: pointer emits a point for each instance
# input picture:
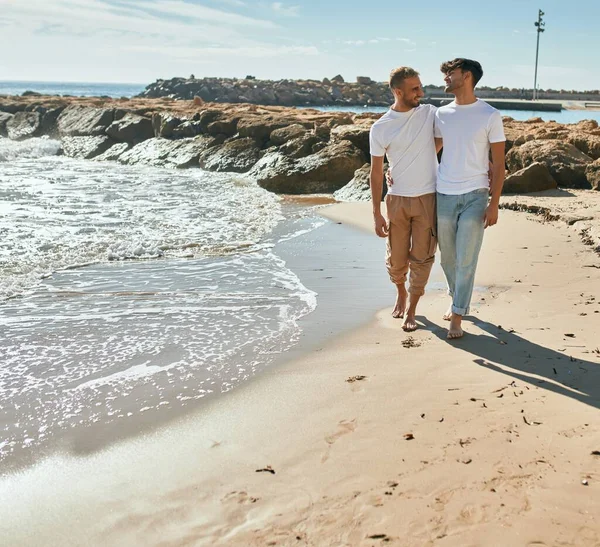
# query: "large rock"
(114, 152)
(588, 144)
(187, 130)
(358, 135)
(533, 178)
(323, 172)
(303, 146)
(206, 117)
(359, 188)
(565, 162)
(238, 156)
(260, 129)
(4, 117)
(49, 121)
(587, 125)
(592, 172)
(81, 121)
(164, 124)
(131, 128)
(285, 134)
(24, 125)
(168, 153)
(364, 80)
(86, 148)
(226, 127)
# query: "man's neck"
(401, 107)
(464, 96)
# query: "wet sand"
(374, 436)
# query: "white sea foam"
(31, 148)
(56, 213)
(138, 289)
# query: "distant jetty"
(336, 92)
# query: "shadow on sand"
(507, 352)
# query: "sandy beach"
(376, 436)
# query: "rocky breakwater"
(334, 91)
(540, 156)
(286, 150)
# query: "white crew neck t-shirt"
(406, 138)
(467, 131)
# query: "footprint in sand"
(473, 514)
(241, 497)
(441, 500)
(344, 427)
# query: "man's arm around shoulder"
(376, 181)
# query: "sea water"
(128, 290)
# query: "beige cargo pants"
(411, 240)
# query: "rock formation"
(286, 150)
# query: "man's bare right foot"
(400, 307)
(409, 324)
(448, 315)
(455, 329)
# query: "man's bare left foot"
(455, 330)
(400, 307)
(448, 315)
(409, 324)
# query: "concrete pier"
(505, 104)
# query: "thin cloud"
(378, 40)
(289, 11)
(201, 53)
(96, 12)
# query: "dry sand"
(488, 440)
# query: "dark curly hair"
(466, 65)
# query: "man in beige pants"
(405, 134)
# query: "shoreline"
(504, 428)
(329, 273)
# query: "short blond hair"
(398, 75)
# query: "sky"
(139, 41)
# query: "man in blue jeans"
(468, 129)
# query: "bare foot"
(400, 307)
(448, 315)
(410, 323)
(455, 330)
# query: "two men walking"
(456, 192)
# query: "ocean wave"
(29, 149)
(58, 213)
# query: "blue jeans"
(460, 234)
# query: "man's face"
(455, 79)
(411, 92)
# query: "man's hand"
(491, 215)
(381, 225)
(388, 177)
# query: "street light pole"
(540, 28)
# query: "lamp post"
(540, 28)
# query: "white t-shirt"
(407, 140)
(467, 131)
